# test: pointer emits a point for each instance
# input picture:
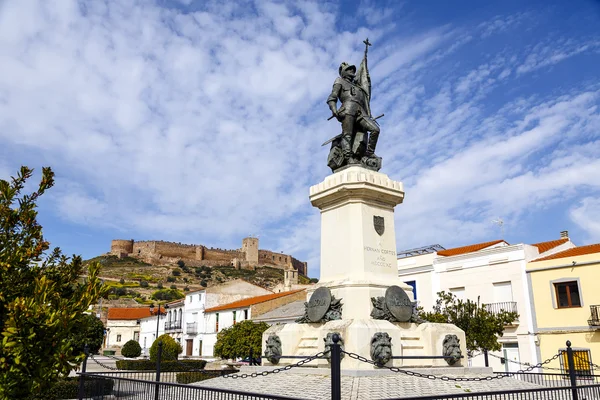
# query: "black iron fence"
(154, 385)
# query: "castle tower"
(250, 248)
(121, 248)
(290, 278)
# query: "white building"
(224, 316)
(148, 328)
(195, 303)
(492, 273)
(124, 324)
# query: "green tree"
(482, 327)
(167, 294)
(171, 349)
(42, 299)
(237, 340)
(91, 332)
(131, 349)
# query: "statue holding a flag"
(360, 131)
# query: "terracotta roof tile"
(129, 313)
(545, 246)
(251, 301)
(573, 252)
(468, 249)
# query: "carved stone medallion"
(379, 224)
(398, 303)
(319, 304)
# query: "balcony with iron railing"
(171, 326)
(191, 328)
(508, 306)
(595, 316)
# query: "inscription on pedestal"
(398, 303)
(319, 304)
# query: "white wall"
(225, 321)
(123, 328)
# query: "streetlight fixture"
(158, 314)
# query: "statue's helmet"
(345, 67)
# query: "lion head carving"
(273, 349)
(381, 348)
(452, 349)
(329, 341)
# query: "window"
(118, 338)
(459, 292)
(234, 317)
(245, 314)
(567, 294)
(413, 284)
(582, 360)
(191, 298)
(217, 323)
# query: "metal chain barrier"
(278, 370)
(448, 378)
(523, 364)
(102, 365)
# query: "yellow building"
(565, 292)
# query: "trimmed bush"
(171, 349)
(191, 377)
(131, 349)
(168, 366)
(143, 284)
(68, 388)
(122, 281)
(171, 279)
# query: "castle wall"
(169, 249)
(198, 255)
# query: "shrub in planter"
(165, 366)
(191, 377)
(171, 349)
(131, 349)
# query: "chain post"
(336, 376)
(158, 357)
(485, 357)
(86, 351)
(571, 361)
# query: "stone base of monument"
(407, 339)
(359, 292)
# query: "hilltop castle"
(248, 256)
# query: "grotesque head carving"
(381, 348)
(452, 349)
(329, 341)
(273, 349)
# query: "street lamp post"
(158, 314)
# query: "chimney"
(564, 234)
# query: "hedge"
(165, 366)
(191, 377)
(68, 388)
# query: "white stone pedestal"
(358, 262)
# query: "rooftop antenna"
(500, 223)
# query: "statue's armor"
(352, 97)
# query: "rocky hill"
(130, 278)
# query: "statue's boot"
(346, 145)
(373, 137)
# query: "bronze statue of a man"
(353, 89)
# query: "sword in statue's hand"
(340, 135)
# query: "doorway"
(511, 355)
(189, 346)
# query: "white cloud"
(586, 214)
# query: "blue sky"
(201, 122)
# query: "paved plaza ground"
(314, 386)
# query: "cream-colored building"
(124, 324)
(492, 273)
(566, 300)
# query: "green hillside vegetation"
(129, 277)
